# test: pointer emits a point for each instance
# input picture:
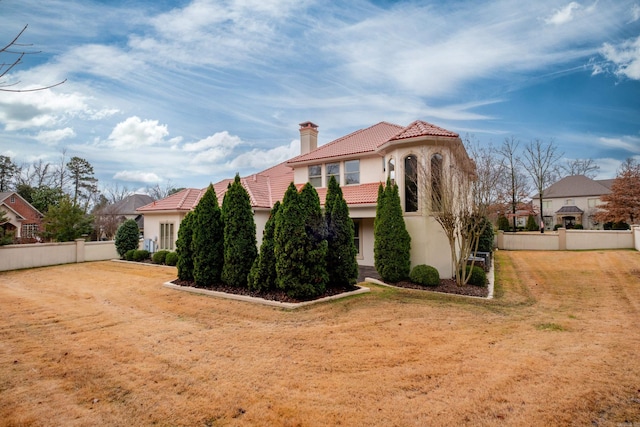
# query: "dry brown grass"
(105, 344)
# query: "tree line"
(67, 193)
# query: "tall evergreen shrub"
(392, 242)
(486, 238)
(184, 248)
(342, 267)
(263, 271)
(503, 223)
(300, 247)
(127, 237)
(239, 235)
(208, 240)
(532, 225)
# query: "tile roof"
(183, 200)
(575, 186)
(358, 142)
(420, 128)
(363, 194)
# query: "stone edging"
(255, 300)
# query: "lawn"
(105, 343)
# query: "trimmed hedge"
(129, 254)
(141, 255)
(159, 257)
(171, 259)
(478, 276)
(425, 275)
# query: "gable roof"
(6, 194)
(420, 128)
(358, 142)
(128, 205)
(575, 186)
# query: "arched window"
(410, 183)
(436, 182)
(392, 170)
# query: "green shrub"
(503, 223)
(485, 243)
(171, 259)
(478, 276)
(425, 275)
(159, 257)
(184, 248)
(127, 237)
(129, 254)
(342, 266)
(578, 227)
(207, 240)
(239, 235)
(392, 242)
(140, 255)
(532, 225)
(555, 227)
(263, 271)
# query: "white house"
(573, 200)
(360, 161)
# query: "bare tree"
(37, 174)
(514, 180)
(17, 50)
(458, 195)
(114, 193)
(159, 192)
(8, 170)
(586, 167)
(539, 161)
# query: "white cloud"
(625, 58)
(635, 13)
(213, 148)
(261, 159)
(628, 143)
(134, 133)
(137, 176)
(564, 15)
(52, 137)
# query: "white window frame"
(166, 236)
(352, 177)
(315, 180)
(329, 173)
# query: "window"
(29, 230)
(546, 204)
(166, 236)
(569, 202)
(352, 172)
(356, 235)
(411, 183)
(392, 171)
(315, 175)
(13, 199)
(593, 203)
(436, 182)
(333, 169)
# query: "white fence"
(570, 240)
(14, 257)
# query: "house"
(108, 218)
(574, 200)
(360, 161)
(25, 221)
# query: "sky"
(189, 92)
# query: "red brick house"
(24, 221)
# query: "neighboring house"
(360, 161)
(574, 200)
(25, 221)
(108, 218)
(523, 210)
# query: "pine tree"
(503, 223)
(127, 237)
(392, 242)
(342, 267)
(208, 240)
(300, 246)
(239, 235)
(184, 248)
(532, 225)
(263, 272)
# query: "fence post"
(562, 239)
(79, 250)
(500, 239)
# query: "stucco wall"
(14, 257)
(569, 240)
(429, 244)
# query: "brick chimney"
(308, 137)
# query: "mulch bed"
(447, 286)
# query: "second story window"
(315, 175)
(411, 184)
(333, 169)
(352, 172)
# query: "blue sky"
(192, 92)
